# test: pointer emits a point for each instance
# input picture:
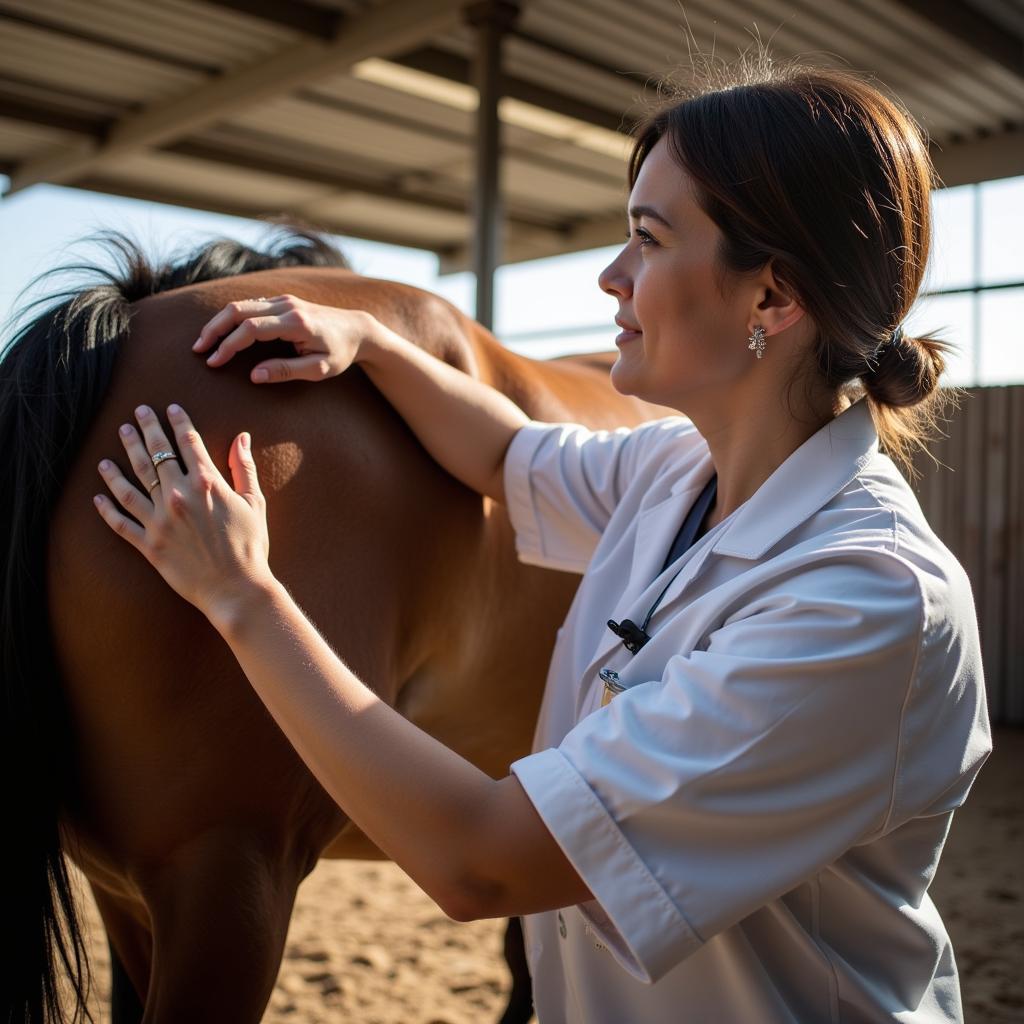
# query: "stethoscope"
(634, 637)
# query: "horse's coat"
(191, 815)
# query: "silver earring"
(757, 341)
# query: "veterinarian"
(766, 700)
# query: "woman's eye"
(644, 237)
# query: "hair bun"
(905, 370)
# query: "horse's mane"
(54, 375)
(132, 275)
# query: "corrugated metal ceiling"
(257, 108)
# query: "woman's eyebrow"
(636, 212)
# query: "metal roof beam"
(50, 94)
(264, 163)
(309, 19)
(527, 155)
(394, 189)
(980, 159)
(45, 115)
(457, 69)
(520, 246)
(405, 187)
(564, 52)
(49, 22)
(382, 30)
(526, 239)
(397, 187)
(968, 25)
(317, 21)
(151, 194)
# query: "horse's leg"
(220, 910)
(520, 1000)
(131, 948)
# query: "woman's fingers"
(274, 371)
(326, 339)
(142, 464)
(207, 541)
(243, 470)
(161, 452)
(248, 332)
(120, 523)
(230, 317)
(190, 443)
(130, 498)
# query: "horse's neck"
(576, 389)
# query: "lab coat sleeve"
(564, 481)
(753, 763)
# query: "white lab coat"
(760, 813)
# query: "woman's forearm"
(466, 425)
(420, 802)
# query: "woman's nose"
(614, 279)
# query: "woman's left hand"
(206, 538)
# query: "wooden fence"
(974, 501)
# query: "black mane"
(134, 276)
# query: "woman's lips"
(627, 335)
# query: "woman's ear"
(776, 306)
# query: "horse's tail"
(53, 378)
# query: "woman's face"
(682, 340)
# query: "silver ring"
(261, 298)
(153, 486)
(157, 457)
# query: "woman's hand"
(327, 339)
(206, 538)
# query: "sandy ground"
(367, 947)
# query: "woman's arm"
(474, 844)
(466, 425)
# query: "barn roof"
(358, 115)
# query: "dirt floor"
(979, 888)
(367, 947)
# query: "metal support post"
(491, 20)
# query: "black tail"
(53, 377)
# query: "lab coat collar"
(821, 467)
(806, 481)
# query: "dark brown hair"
(818, 171)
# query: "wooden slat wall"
(975, 503)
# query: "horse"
(133, 743)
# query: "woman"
(757, 724)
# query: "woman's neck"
(749, 443)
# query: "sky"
(554, 306)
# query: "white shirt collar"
(821, 467)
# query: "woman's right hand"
(327, 340)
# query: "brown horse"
(132, 740)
